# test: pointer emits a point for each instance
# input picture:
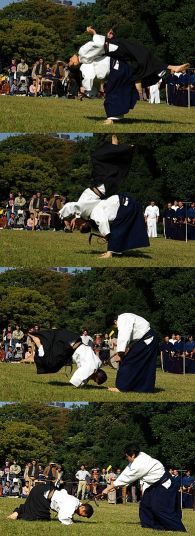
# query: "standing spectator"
(22, 69)
(55, 205)
(10, 205)
(12, 71)
(7, 337)
(33, 472)
(82, 476)
(50, 472)
(151, 218)
(40, 72)
(38, 204)
(30, 207)
(59, 73)
(86, 339)
(154, 92)
(17, 335)
(6, 470)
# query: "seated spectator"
(15, 488)
(7, 489)
(15, 469)
(2, 353)
(17, 335)
(48, 74)
(20, 202)
(50, 472)
(18, 354)
(20, 219)
(34, 89)
(32, 223)
(9, 356)
(14, 88)
(86, 339)
(29, 355)
(22, 69)
(4, 87)
(23, 86)
(26, 490)
(11, 222)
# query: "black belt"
(97, 192)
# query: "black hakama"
(111, 164)
(137, 372)
(145, 67)
(120, 94)
(57, 350)
(160, 507)
(36, 506)
(128, 230)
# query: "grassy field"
(62, 115)
(20, 382)
(119, 520)
(22, 248)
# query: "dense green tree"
(24, 442)
(26, 307)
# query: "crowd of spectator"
(180, 88)
(42, 213)
(43, 80)
(17, 481)
(178, 354)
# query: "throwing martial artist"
(131, 64)
(159, 506)
(42, 498)
(57, 348)
(110, 165)
(120, 221)
(137, 365)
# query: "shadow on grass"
(64, 384)
(135, 120)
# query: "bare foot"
(138, 86)
(179, 68)
(114, 140)
(108, 122)
(106, 255)
(113, 389)
(13, 516)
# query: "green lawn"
(21, 383)
(61, 115)
(45, 248)
(119, 520)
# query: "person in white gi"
(82, 476)
(159, 507)
(155, 93)
(42, 499)
(151, 217)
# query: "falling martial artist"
(159, 506)
(42, 499)
(130, 63)
(137, 364)
(110, 165)
(57, 348)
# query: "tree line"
(87, 299)
(162, 166)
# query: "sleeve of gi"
(125, 329)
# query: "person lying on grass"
(43, 498)
(57, 348)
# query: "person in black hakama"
(137, 365)
(120, 220)
(176, 365)
(57, 348)
(43, 498)
(159, 506)
(168, 217)
(110, 165)
(166, 348)
(190, 355)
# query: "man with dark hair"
(137, 365)
(159, 506)
(57, 348)
(44, 498)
